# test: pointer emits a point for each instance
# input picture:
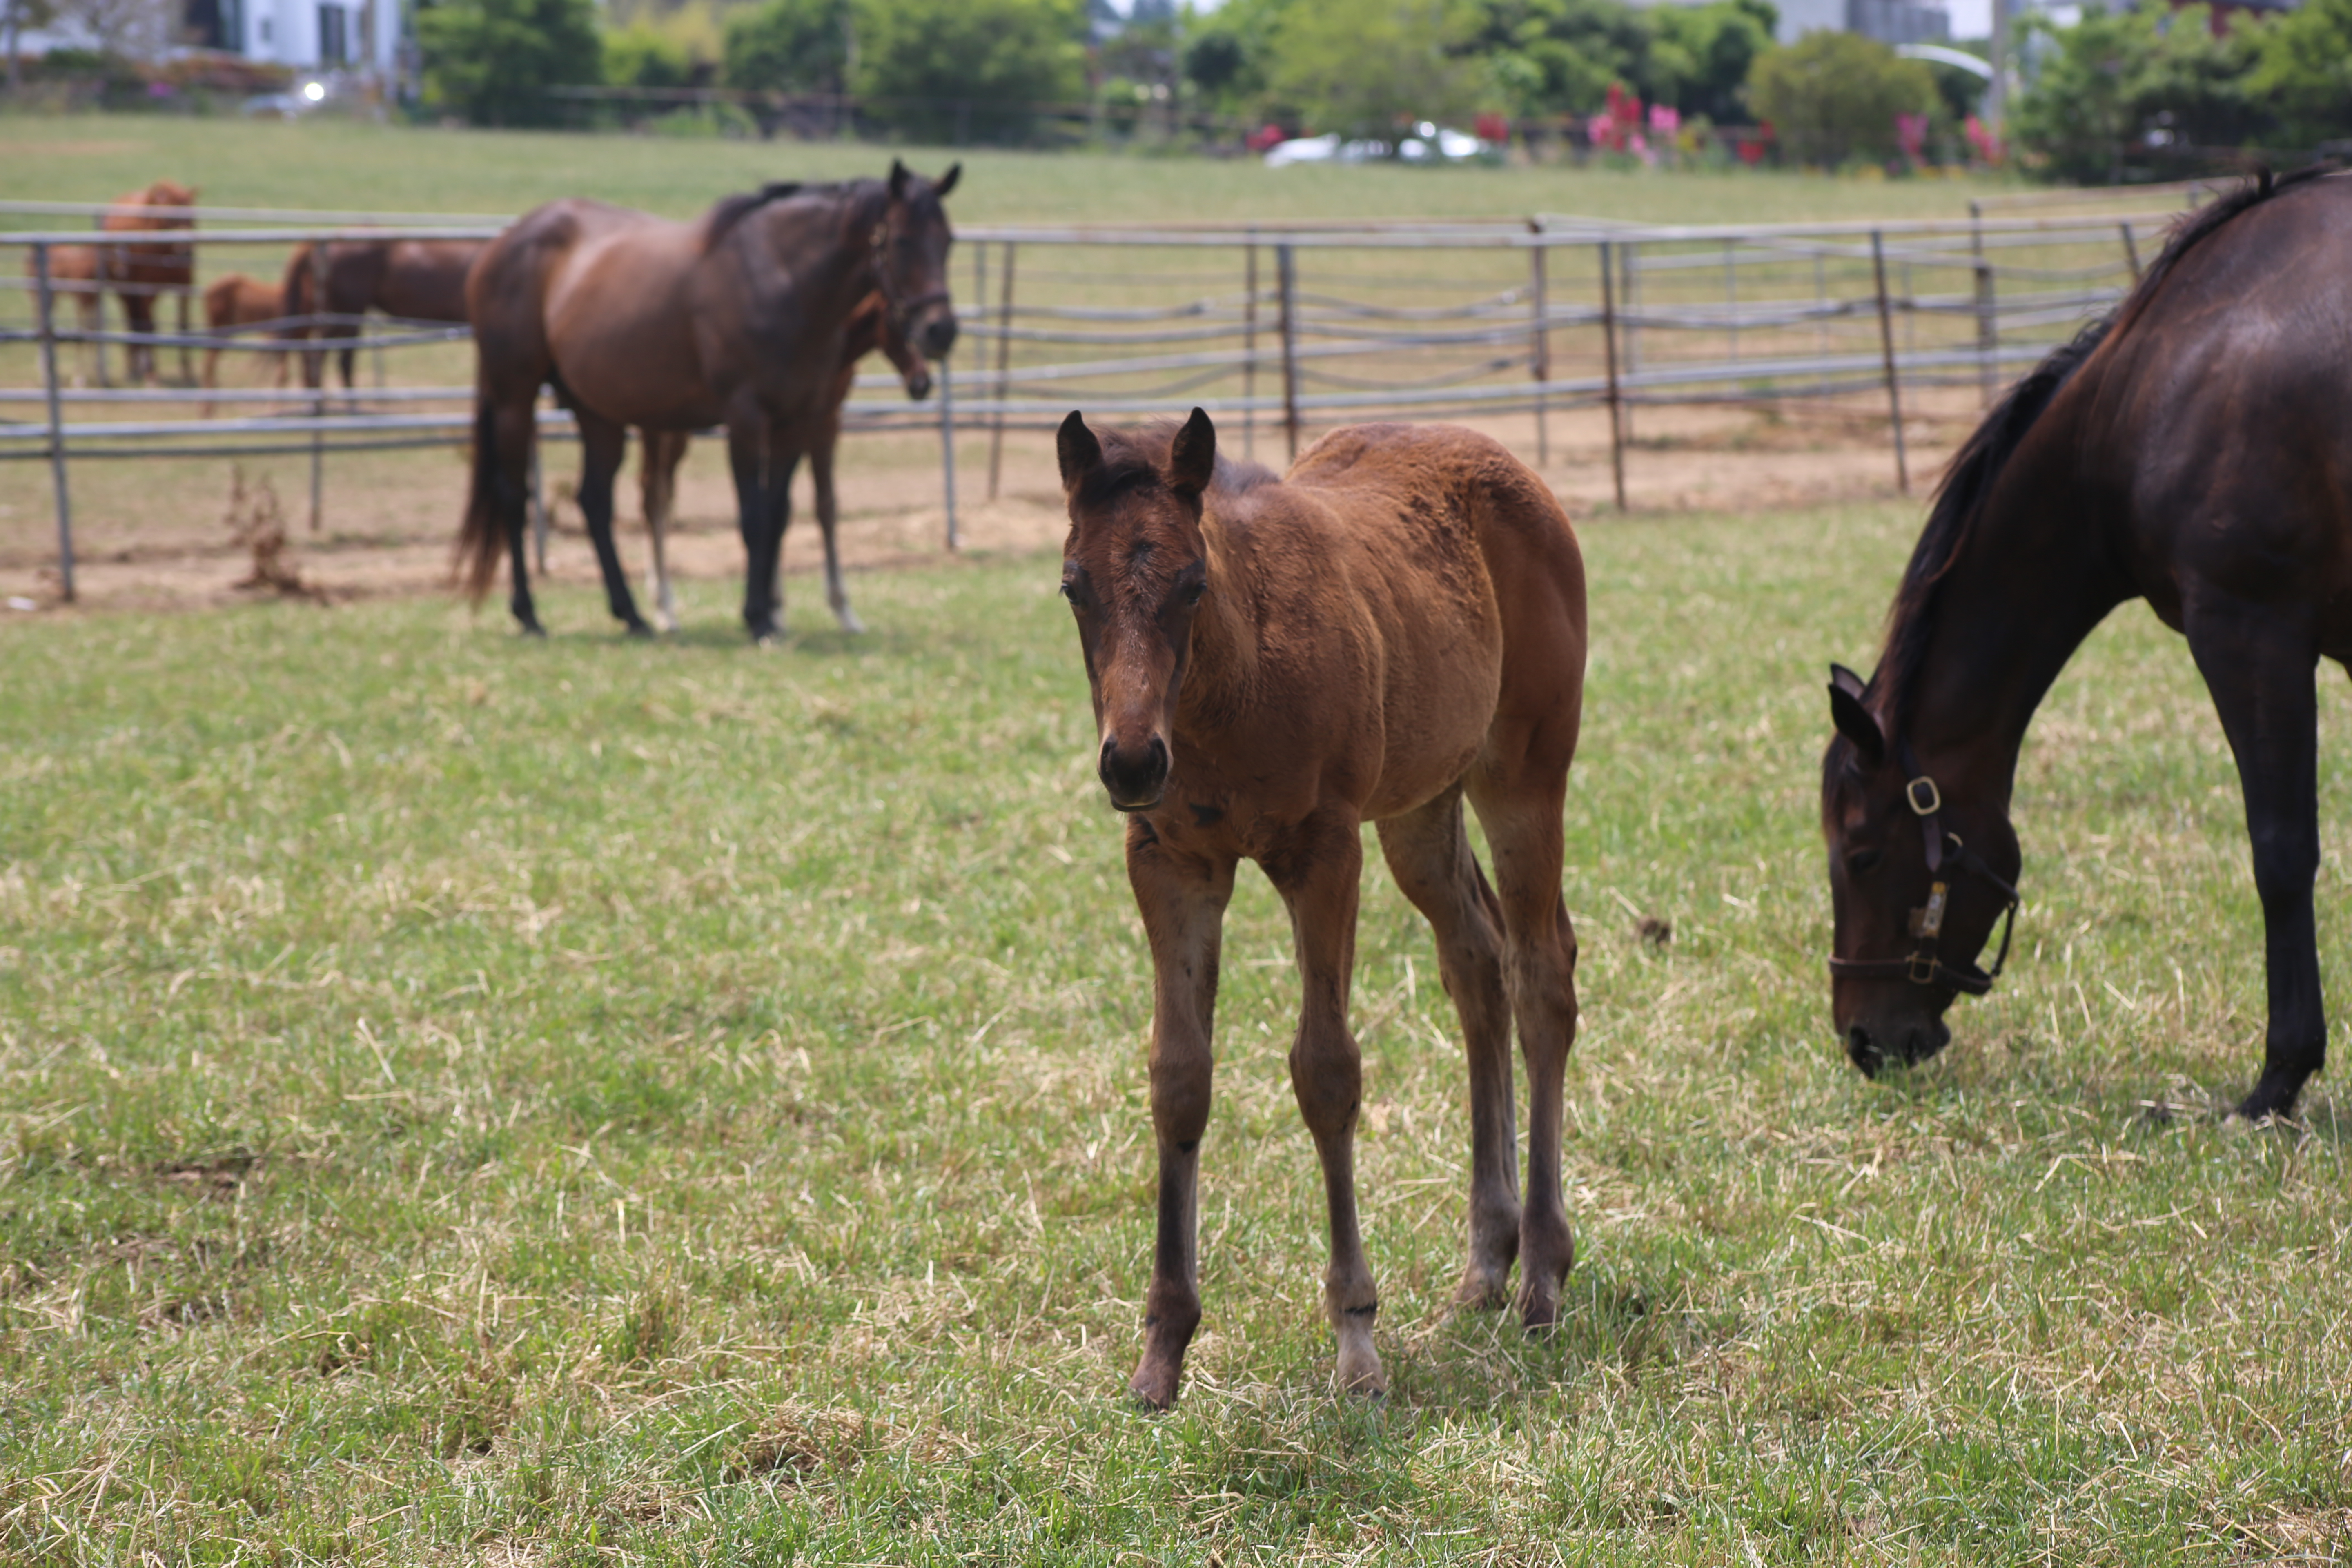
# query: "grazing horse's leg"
(603, 446)
(1519, 792)
(1182, 898)
(1429, 852)
(658, 485)
(2259, 666)
(747, 456)
(1316, 871)
(827, 514)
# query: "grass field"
(464, 1100)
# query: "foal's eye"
(1863, 860)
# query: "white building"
(308, 35)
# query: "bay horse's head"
(1135, 568)
(910, 260)
(1918, 880)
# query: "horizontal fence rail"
(1280, 327)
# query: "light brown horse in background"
(741, 319)
(408, 279)
(1397, 625)
(872, 326)
(240, 300)
(137, 274)
(73, 275)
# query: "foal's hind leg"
(1182, 899)
(1519, 797)
(657, 480)
(1316, 873)
(1429, 852)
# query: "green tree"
(1362, 67)
(1832, 97)
(640, 55)
(788, 45)
(1700, 61)
(959, 69)
(493, 60)
(2303, 73)
(1559, 57)
(2118, 84)
(1228, 52)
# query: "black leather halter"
(1925, 966)
(901, 311)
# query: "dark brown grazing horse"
(871, 326)
(1396, 625)
(237, 300)
(741, 319)
(409, 279)
(2192, 449)
(138, 273)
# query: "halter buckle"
(1934, 802)
(1923, 968)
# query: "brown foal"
(1395, 626)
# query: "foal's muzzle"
(1136, 777)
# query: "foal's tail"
(481, 536)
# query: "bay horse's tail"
(481, 537)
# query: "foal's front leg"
(1316, 875)
(1182, 897)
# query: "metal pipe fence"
(1304, 325)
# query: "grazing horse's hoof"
(2272, 1097)
(532, 629)
(848, 618)
(639, 629)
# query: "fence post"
(1249, 345)
(1731, 294)
(57, 421)
(1887, 353)
(319, 364)
(2131, 249)
(1539, 351)
(1004, 371)
(947, 448)
(1987, 333)
(1609, 353)
(1286, 276)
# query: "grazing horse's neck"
(2033, 577)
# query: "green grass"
(464, 1100)
(340, 164)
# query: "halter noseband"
(1925, 966)
(900, 312)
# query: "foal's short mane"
(1138, 456)
(1960, 496)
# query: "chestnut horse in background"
(739, 318)
(2192, 449)
(871, 326)
(138, 273)
(74, 275)
(1394, 627)
(408, 279)
(239, 300)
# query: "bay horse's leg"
(1519, 792)
(657, 487)
(2260, 668)
(1428, 851)
(828, 513)
(1182, 898)
(602, 447)
(514, 426)
(1316, 872)
(747, 458)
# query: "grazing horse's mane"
(1960, 496)
(1138, 456)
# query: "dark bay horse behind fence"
(138, 274)
(741, 318)
(872, 325)
(1396, 627)
(2193, 448)
(409, 279)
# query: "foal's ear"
(898, 179)
(1856, 722)
(947, 180)
(1077, 446)
(1193, 459)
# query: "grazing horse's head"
(1135, 568)
(1909, 920)
(910, 260)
